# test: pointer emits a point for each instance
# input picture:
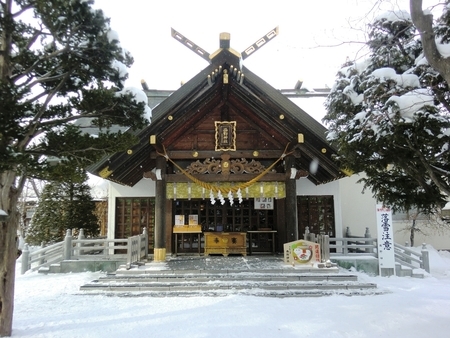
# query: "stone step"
(218, 276)
(405, 271)
(139, 270)
(176, 283)
(243, 277)
(219, 288)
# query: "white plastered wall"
(358, 208)
(144, 188)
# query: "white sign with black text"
(386, 254)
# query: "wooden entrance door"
(317, 213)
(133, 215)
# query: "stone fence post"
(80, 245)
(348, 232)
(368, 235)
(25, 259)
(42, 255)
(306, 234)
(324, 242)
(145, 233)
(67, 249)
(425, 258)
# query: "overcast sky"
(311, 45)
(299, 51)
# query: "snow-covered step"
(215, 289)
(405, 271)
(263, 283)
(235, 277)
(218, 276)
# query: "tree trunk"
(9, 196)
(411, 233)
(424, 24)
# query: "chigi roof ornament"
(225, 44)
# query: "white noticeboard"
(264, 203)
(386, 254)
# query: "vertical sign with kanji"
(386, 254)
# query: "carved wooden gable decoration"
(226, 110)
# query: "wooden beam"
(176, 178)
(203, 154)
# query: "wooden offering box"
(225, 243)
(187, 228)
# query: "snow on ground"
(52, 306)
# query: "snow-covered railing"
(137, 248)
(348, 246)
(352, 246)
(411, 258)
(42, 257)
(130, 249)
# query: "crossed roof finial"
(225, 44)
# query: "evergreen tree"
(389, 118)
(59, 62)
(63, 206)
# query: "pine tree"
(389, 118)
(60, 62)
(62, 206)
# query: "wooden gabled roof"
(267, 121)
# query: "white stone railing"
(367, 246)
(131, 249)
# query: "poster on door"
(264, 203)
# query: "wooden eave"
(264, 108)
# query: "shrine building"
(227, 158)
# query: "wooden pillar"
(291, 202)
(169, 226)
(160, 212)
(281, 224)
